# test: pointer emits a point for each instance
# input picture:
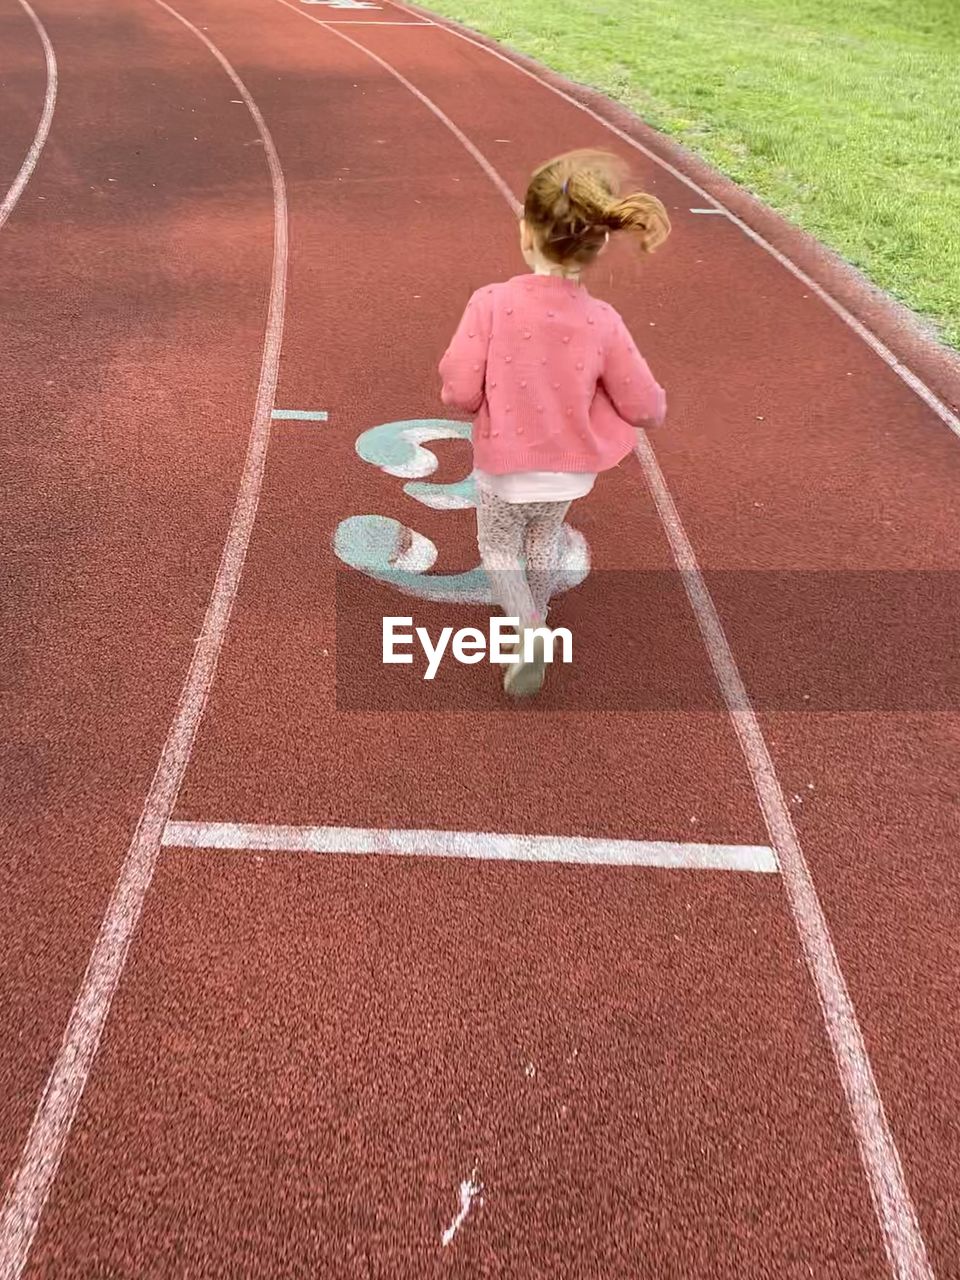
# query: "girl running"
(554, 382)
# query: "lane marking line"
(37, 1168)
(444, 119)
(903, 1240)
(896, 1215)
(719, 212)
(480, 845)
(879, 348)
(299, 415)
(374, 22)
(9, 202)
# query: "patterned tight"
(508, 531)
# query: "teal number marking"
(460, 495)
(383, 548)
(389, 552)
(397, 448)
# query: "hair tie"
(565, 185)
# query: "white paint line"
(299, 415)
(483, 845)
(720, 212)
(906, 375)
(28, 1190)
(9, 202)
(904, 1243)
(470, 1189)
(444, 119)
(894, 1207)
(359, 22)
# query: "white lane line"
(879, 348)
(894, 1207)
(719, 212)
(359, 22)
(904, 1243)
(444, 119)
(28, 1190)
(483, 845)
(43, 128)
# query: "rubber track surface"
(308, 1054)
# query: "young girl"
(554, 382)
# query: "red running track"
(304, 1055)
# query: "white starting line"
(482, 845)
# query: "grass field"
(842, 114)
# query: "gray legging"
(508, 531)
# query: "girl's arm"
(463, 368)
(635, 393)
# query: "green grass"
(842, 114)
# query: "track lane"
(129, 393)
(274, 707)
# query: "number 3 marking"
(387, 551)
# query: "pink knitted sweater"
(552, 377)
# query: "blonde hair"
(574, 202)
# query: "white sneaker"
(524, 679)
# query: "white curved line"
(40, 1159)
(879, 348)
(43, 128)
(893, 1205)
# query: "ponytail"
(574, 202)
(644, 217)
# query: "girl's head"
(574, 202)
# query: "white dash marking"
(470, 1189)
(721, 213)
(482, 845)
(299, 415)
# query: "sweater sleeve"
(635, 393)
(463, 368)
